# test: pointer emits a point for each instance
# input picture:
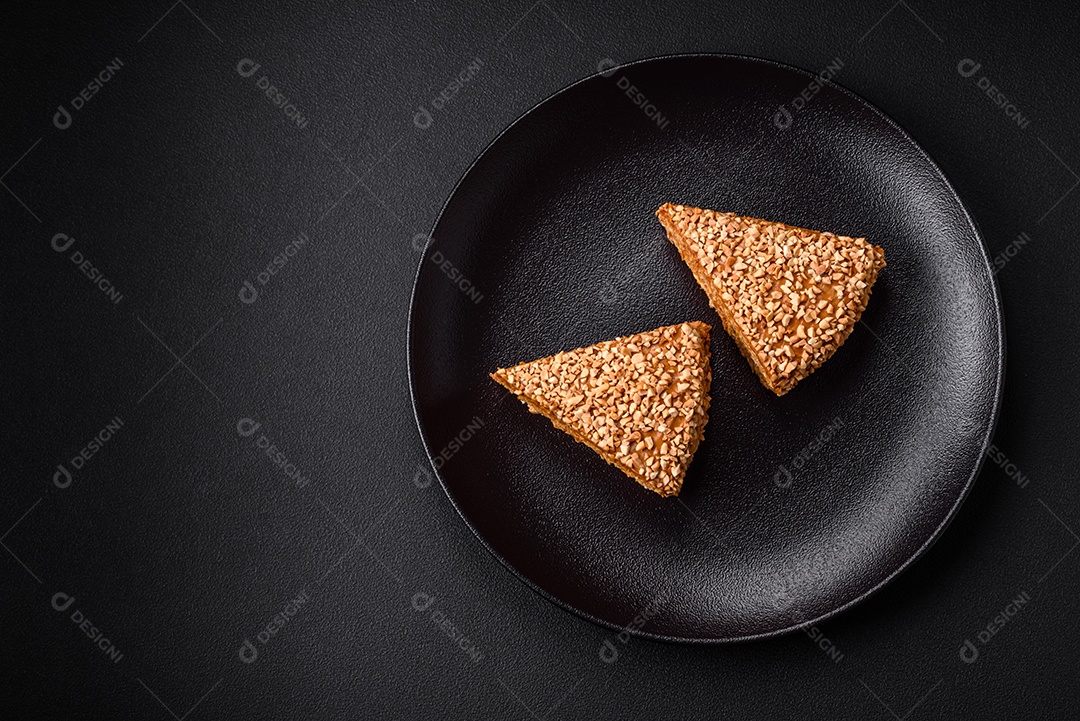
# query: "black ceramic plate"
(795, 507)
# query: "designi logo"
(62, 117)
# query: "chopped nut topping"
(649, 396)
(788, 296)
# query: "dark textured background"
(180, 181)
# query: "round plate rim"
(410, 339)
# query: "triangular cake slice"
(640, 401)
(788, 296)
